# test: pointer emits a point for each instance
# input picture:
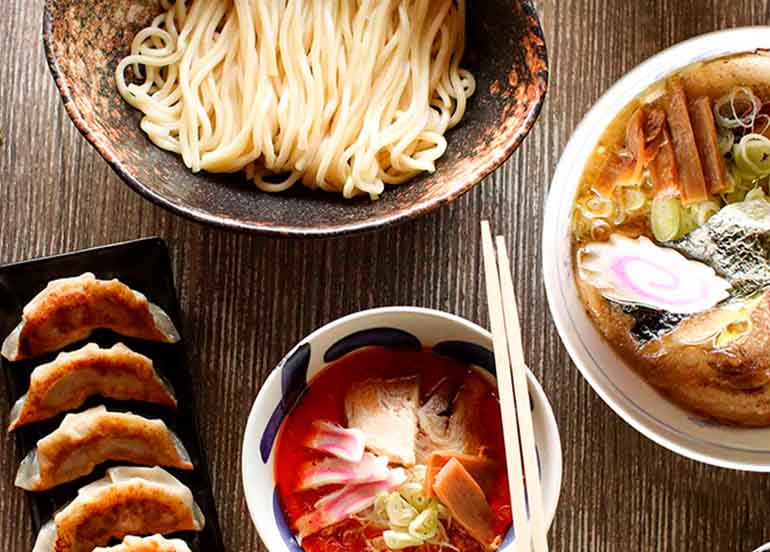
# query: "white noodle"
(342, 95)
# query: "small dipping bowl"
(391, 327)
(627, 393)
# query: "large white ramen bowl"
(402, 327)
(613, 379)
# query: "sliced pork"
(349, 500)
(335, 471)
(347, 444)
(385, 410)
(447, 420)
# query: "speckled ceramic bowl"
(85, 39)
(400, 327)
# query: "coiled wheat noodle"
(342, 95)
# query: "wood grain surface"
(247, 300)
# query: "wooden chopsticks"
(514, 398)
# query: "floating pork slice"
(127, 501)
(346, 444)
(69, 309)
(433, 423)
(716, 363)
(481, 468)
(335, 471)
(386, 411)
(90, 438)
(465, 419)
(155, 543)
(465, 500)
(638, 272)
(350, 500)
(68, 380)
(736, 243)
(448, 421)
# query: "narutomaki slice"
(705, 128)
(460, 493)
(692, 182)
(481, 468)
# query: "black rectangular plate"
(143, 265)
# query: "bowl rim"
(250, 446)
(378, 222)
(700, 48)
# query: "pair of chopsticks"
(512, 385)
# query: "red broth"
(324, 399)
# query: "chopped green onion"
(726, 140)
(737, 109)
(665, 218)
(705, 210)
(400, 512)
(413, 494)
(633, 199)
(425, 525)
(756, 193)
(752, 155)
(396, 540)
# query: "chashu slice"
(716, 363)
(447, 420)
(386, 411)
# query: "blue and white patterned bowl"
(403, 327)
(612, 378)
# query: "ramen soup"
(393, 449)
(671, 235)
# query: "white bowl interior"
(430, 328)
(610, 376)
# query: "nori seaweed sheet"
(735, 242)
(651, 323)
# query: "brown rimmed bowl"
(85, 40)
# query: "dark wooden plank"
(247, 300)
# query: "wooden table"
(247, 300)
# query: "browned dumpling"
(127, 501)
(89, 438)
(66, 382)
(69, 309)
